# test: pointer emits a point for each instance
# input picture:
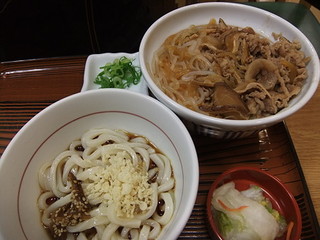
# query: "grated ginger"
(118, 182)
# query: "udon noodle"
(229, 72)
(109, 184)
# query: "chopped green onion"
(120, 73)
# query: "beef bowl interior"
(51, 131)
(247, 18)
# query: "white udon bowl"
(52, 130)
(262, 22)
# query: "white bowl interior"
(261, 21)
(52, 130)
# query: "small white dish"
(95, 61)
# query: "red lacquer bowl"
(281, 199)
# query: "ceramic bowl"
(52, 130)
(235, 14)
(281, 198)
(95, 61)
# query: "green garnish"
(120, 73)
(226, 224)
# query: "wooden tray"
(27, 87)
(271, 150)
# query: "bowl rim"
(213, 229)
(219, 122)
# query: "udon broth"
(110, 184)
(229, 72)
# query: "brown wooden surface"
(304, 128)
(26, 87)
